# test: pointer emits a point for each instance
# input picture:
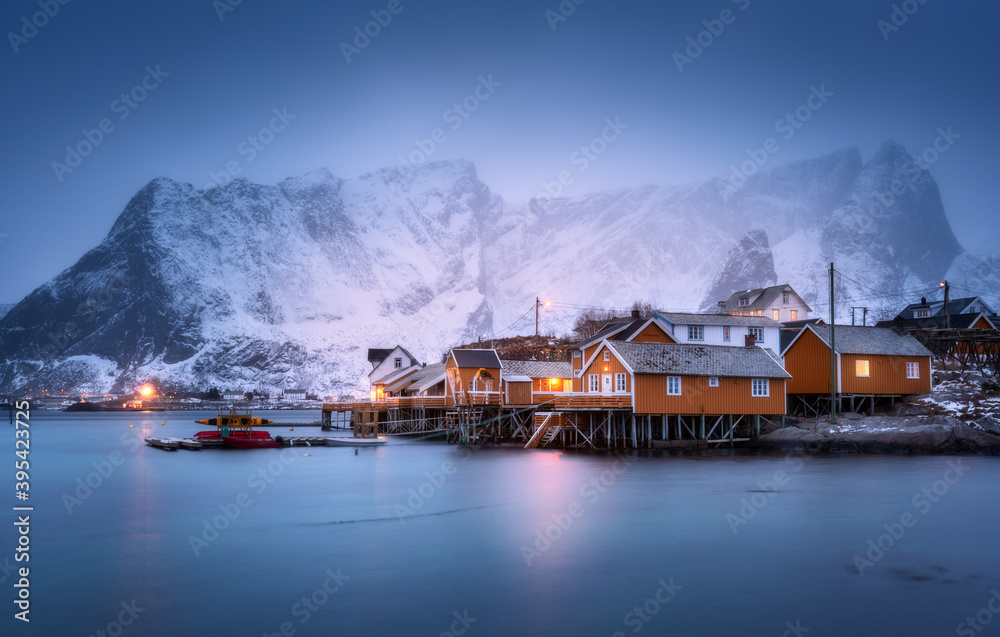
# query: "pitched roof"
(683, 318)
(958, 321)
(377, 355)
(877, 341)
(955, 307)
(516, 378)
(700, 360)
(607, 331)
(764, 298)
(428, 377)
(622, 330)
(396, 374)
(800, 324)
(537, 369)
(476, 358)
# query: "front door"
(606, 383)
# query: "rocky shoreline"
(906, 434)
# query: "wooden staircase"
(547, 426)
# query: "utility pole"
(833, 355)
(864, 314)
(537, 303)
(947, 305)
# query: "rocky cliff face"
(251, 286)
(748, 265)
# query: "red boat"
(257, 442)
(216, 435)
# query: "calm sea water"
(421, 538)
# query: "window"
(784, 297)
(673, 385)
(757, 333)
(592, 379)
(795, 314)
(862, 368)
(776, 314)
(607, 355)
(744, 301)
(923, 312)
(713, 381)
(619, 382)
(696, 332)
(760, 387)
(912, 369)
(576, 354)
(397, 362)
(760, 312)
(725, 332)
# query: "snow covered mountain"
(253, 286)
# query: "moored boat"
(354, 442)
(186, 443)
(241, 442)
(236, 431)
(163, 443)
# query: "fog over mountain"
(253, 286)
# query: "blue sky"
(215, 74)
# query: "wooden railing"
(593, 401)
(392, 401)
(553, 400)
(478, 398)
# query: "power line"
(516, 321)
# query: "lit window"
(619, 382)
(760, 312)
(862, 368)
(592, 379)
(713, 381)
(912, 370)
(795, 314)
(757, 333)
(673, 385)
(607, 355)
(696, 333)
(760, 387)
(397, 362)
(776, 314)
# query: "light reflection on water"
(426, 530)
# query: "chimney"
(751, 340)
(635, 313)
(722, 307)
(923, 300)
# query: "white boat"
(354, 442)
(163, 443)
(186, 443)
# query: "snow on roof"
(516, 378)
(877, 341)
(700, 360)
(537, 369)
(682, 318)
